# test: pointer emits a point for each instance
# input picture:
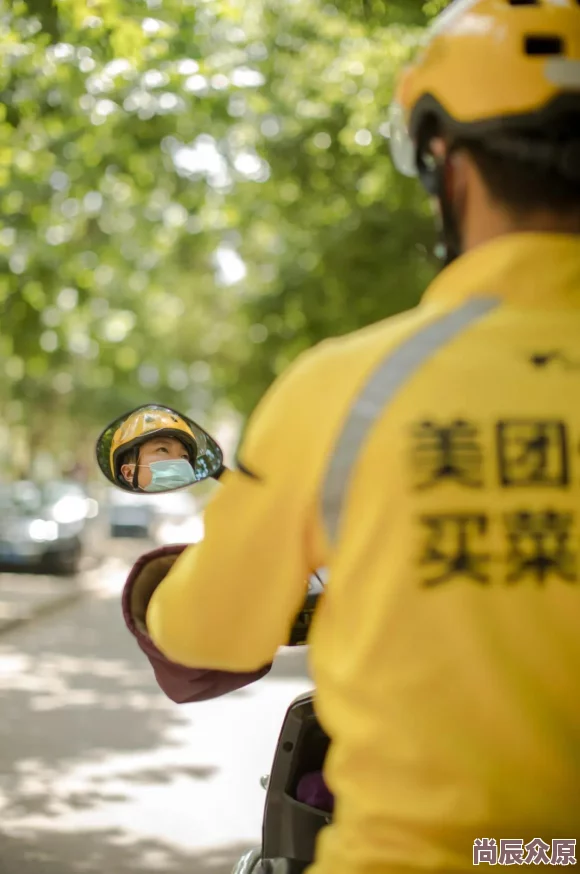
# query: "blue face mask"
(168, 475)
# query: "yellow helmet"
(489, 67)
(144, 424)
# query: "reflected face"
(156, 449)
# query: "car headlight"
(69, 509)
(189, 531)
(42, 530)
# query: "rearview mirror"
(157, 449)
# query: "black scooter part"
(252, 863)
(290, 828)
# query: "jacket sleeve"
(230, 602)
(180, 683)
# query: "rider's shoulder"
(340, 362)
(370, 341)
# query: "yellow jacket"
(432, 462)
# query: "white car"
(130, 515)
(43, 526)
(178, 519)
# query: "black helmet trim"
(428, 107)
(509, 136)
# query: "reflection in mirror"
(157, 449)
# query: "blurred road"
(99, 772)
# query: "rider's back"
(446, 651)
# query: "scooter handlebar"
(303, 621)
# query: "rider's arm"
(180, 683)
(230, 602)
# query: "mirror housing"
(155, 448)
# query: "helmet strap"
(433, 176)
(135, 482)
(450, 236)
(432, 173)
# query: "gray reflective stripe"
(382, 386)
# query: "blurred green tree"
(108, 155)
(192, 193)
(334, 237)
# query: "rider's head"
(147, 437)
(489, 118)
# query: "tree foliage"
(334, 237)
(145, 147)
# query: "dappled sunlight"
(111, 851)
(98, 770)
(107, 581)
(136, 792)
(51, 684)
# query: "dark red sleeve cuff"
(180, 683)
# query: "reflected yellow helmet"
(145, 424)
(489, 67)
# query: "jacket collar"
(526, 269)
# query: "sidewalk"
(24, 597)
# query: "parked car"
(178, 519)
(68, 501)
(130, 515)
(42, 527)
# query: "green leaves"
(335, 238)
(146, 148)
